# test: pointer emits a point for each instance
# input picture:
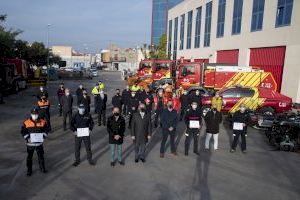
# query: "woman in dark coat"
(213, 118)
(116, 130)
(141, 131)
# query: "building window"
(198, 27)
(257, 15)
(170, 39)
(221, 18)
(237, 17)
(175, 39)
(182, 32)
(284, 12)
(189, 30)
(207, 24)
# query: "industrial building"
(259, 33)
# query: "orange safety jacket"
(43, 104)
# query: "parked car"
(74, 73)
(262, 100)
(94, 72)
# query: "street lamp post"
(48, 27)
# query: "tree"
(10, 47)
(7, 39)
(160, 51)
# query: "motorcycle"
(284, 131)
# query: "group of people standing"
(138, 105)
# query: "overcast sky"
(78, 22)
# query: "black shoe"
(155, 126)
(186, 154)
(76, 163)
(65, 129)
(91, 162)
(29, 172)
(121, 163)
(99, 124)
(197, 153)
(136, 160)
(112, 164)
(143, 160)
(44, 171)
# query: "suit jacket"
(67, 103)
(101, 103)
(141, 127)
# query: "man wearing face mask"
(60, 94)
(82, 125)
(44, 110)
(116, 129)
(240, 121)
(184, 101)
(141, 132)
(159, 105)
(193, 121)
(213, 118)
(101, 101)
(125, 99)
(79, 93)
(117, 100)
(196, 98)
(34, 131)
(132, 107)
(41, 92)
(86, 101)
(67, 105)
(169, 119)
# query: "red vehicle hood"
(271, 94)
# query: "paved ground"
(260, 174)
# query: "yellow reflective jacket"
(218, 102)
(135, 88)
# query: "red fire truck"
(216, 76)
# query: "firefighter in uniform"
(135, 87)
(240, 121)
(193, 121)
(184, 101)
(217, 101)
(44, 110)
(82, 121)
(34, 130)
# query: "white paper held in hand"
(36, 137)
(238, 126)
(194, 124)
(83, 132)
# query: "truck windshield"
(188, 70)
(162, 66)
(145, 65)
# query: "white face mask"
(242, 109)
(101, 92)
(42, 89)
(133, 95)
(67, 93)
(81, 111)
(34, 117)
(197, 93)
(194, 107)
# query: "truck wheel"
(267, 111)
(204, 110)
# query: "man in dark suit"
(101, 101)
(67, 103)
(141, 132)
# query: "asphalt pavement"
(262, 173)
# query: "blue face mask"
(81, 111)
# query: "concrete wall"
(270, 36)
